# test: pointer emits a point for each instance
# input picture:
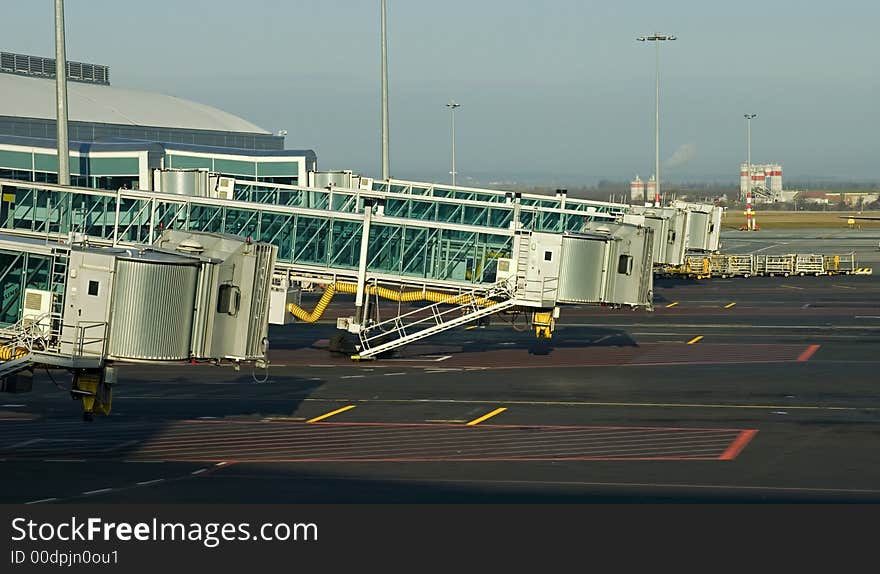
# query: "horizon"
(561, 94)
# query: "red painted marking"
(744, 438)
(809, 352)
(442, 459)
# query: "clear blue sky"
(553, 92)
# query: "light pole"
(657, 38)
(452, 105)
(61, 97)
(749, 118)
(386, 164)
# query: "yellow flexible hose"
(385, 293)
(9, 353)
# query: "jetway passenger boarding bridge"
(366, 248)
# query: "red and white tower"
(637, 191)
(651, 191)
(751, 225)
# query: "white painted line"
(207, 418)
(144, 461)
(393, 374)
(64, 460)
(430, 358)
(222, 463)
(867, 317)
(26, 443)
(199, 471)
(99, 491)
(602, 338)
(352, 377)
(41, 500)
(149, 482)
(12, 406)
(126, 444)
(324, 366)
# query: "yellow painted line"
(445, 421)
(469, 327)
(695, 340)
(843, 286)
(330, 414)
(673, 304)
(497, 411)
(729, 305)
(791, 287)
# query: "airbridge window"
(625, 265)
(228, 300)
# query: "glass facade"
(331, 242)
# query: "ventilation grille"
(45, 68)
(33, 301)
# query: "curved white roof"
(30, 97)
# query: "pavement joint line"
(41, 500)
(330, 414)
(695, 340)
(98, 491)
(447, 421)
(486, 416)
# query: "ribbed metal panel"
(580, 275)
(152, 310)
(257, 329)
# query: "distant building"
(849, 199)
(119, 136)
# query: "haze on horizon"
(554, 92)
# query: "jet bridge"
(83, 308)
(679, 228)
(363, 247)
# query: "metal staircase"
(456, 310)
(415, 325)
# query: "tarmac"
(731, 390)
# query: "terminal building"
(119, 137)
